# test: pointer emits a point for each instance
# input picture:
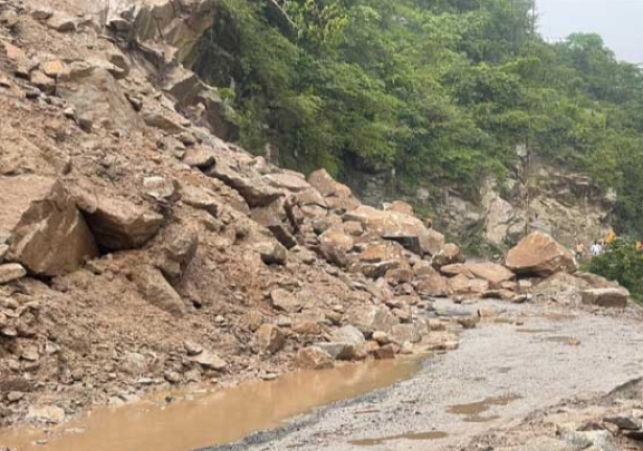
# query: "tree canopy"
(442, 91)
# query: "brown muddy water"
(214, 418)
(472, 411)
(433, 435)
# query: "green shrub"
(621, 262)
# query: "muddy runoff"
(199, 420)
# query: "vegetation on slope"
(441, 91)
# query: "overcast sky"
(620, 22)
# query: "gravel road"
(500, 373)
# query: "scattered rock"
(313, 358)
(606, 297)
(42, 13)
(210, 360)
(624, 423)
(192, 348)
(273, 253)
(386, 352)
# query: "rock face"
(539, 254)
(606, 297)
(118, 224)
(49, 234)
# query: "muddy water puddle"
(433, 435)
(472, 412)
(220, 417)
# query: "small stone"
(192, 348)
(210, 360)
(273, 253)
(159, 188)
(15, 396)
(172, 377)
(285, 301)
(9, 18)
(61, 23)
(30, 354)
(43, 82)
(10, 272)
(42, 13)
(85, 123)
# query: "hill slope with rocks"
(139, 249)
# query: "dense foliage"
(621, 262)
(442, 91)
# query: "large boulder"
(539, 254)
(335, 245)
(606, 297)
(118, 224)
(49, 234)
(157, 291)
(387, 224)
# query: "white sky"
(619, 22)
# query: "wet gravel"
(554, 357)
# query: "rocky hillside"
(138, 249)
